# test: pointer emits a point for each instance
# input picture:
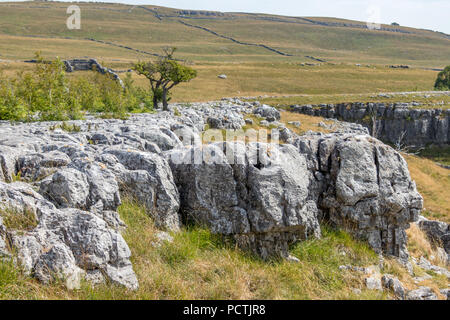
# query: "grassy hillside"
(237, 44)
(139, 28)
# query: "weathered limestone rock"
(148, 178)
(37, 166)
(164, 140)
(423, 293)
(373, 283)
(418, 127)
(426, 265)
(85, 184)
(364, 187)
(188, 136)
(437, 231)
(8, 162)
(66, 188)
(393, 284)
(265, 196)
(58, 263)
(66, 242)
(268, 112)
(242, 191)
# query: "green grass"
(440, 154)
(140, 29)
(66, 127)
(200, 265)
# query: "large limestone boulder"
(65, 244)
(365, 188)
(258, 193)
(268, 112)
(148, 178)
(85, 184)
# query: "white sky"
(427, 14)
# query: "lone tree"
(443, 80)
(164, 74)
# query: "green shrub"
(443, 80)
(48, 94)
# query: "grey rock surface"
(364, 187)
(423, 293)
(446, 293)
(392, 283)
(437, 231)
(66, 242)
(240, 190)
(148, 178)
(268, 112)
(265, 196)
(417, 127)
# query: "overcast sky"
(427, 14)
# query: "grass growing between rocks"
(200, 265)
(21, 221)
(419, 245)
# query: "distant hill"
(137, 31)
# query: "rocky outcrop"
(438, 232)
(356, 182)
(394, 123)
(66, 244)
(259, 194)
(265, 196)
(268, 112)
(266, 47)
(364, 187)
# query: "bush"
(443, 80)
(48, 94)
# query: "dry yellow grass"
(419, 245)
(248, 79)
(433, 183)
(437, 282)
(307, 122)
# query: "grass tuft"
(19, 220)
